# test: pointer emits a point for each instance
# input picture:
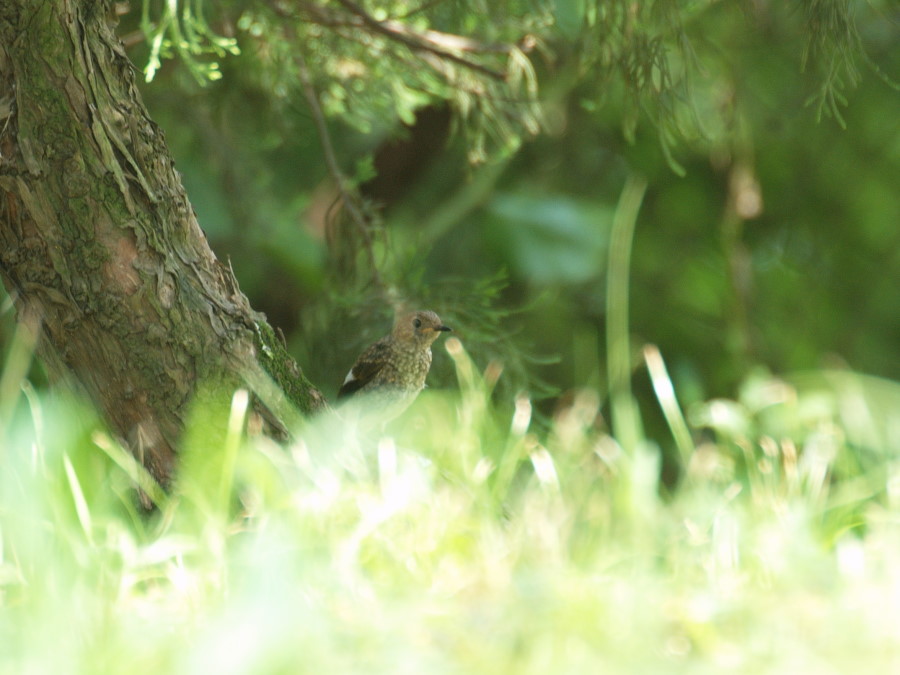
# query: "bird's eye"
(417, 323)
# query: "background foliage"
(727, 519)
(778, 200)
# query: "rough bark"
(98, 239)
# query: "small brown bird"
(391, 372)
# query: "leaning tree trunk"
(98, 239)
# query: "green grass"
(464, 537)
(463, 540)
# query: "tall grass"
(460, 540)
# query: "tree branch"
(432, 42)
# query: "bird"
(390, 373)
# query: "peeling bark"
(97, 238)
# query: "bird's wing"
(366, 367)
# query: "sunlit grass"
(462, 540)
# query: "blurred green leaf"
(550, 238)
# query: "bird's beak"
(443, 328)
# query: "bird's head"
(419, 328)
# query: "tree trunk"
(98, 239)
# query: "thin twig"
(429, 42)
(448, 40)
(346, 194)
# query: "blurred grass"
(460, 540)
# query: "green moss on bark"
(282, 368)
